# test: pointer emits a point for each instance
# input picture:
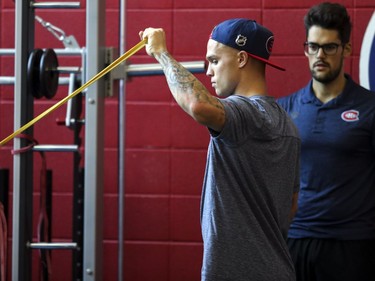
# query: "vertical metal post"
(23, 163)
(94, 143)
(121, 147)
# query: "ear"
(243, 58)
(347, 49)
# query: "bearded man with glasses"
(332, 236)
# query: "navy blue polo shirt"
(337, 191)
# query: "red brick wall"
(165, 149)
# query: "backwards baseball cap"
(246, 35)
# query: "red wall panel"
(146, 261)
(148, 171)
(190, 40)
(187, 168)
(184, 219)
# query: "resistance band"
(110, 67)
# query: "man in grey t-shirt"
(252, 174)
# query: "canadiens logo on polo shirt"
(350, 115)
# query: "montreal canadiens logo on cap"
(269, 44)
(350, 115)
(241, 40)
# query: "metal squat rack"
(88, 183)
(91, 247)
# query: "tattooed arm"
(186, 89)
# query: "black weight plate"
(48, 73)
(33, 73)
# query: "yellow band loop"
(110, 67)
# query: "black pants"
(333, 260)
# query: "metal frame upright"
(23, 163)
(94, 141)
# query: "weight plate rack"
(37, 75)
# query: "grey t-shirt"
(251, 174)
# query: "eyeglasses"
(329, 49)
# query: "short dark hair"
(330, 16)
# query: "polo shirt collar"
(346, 97)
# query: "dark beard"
(331, 76)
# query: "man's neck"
(252, 85)
(327, 92)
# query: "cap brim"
(267, 62)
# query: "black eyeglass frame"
(324, 47)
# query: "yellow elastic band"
(110, 67)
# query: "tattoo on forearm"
(182, 82)
(176, 75)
